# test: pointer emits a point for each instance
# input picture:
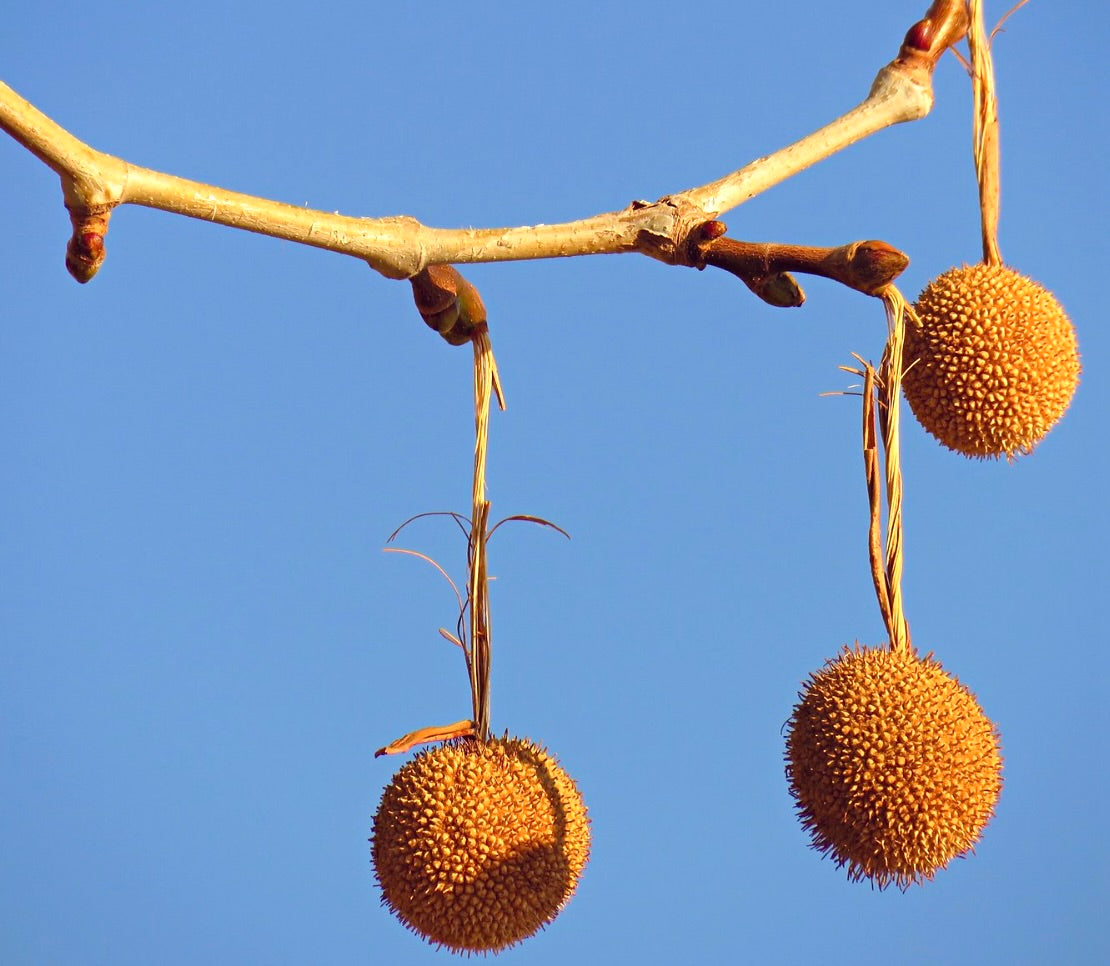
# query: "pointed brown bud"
(448, 303)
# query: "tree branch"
(902, 91)
(94, 183)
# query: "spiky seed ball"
(994, 364)
(893, 766)
(476, 846)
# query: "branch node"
(674, 231)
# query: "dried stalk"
(487, 383)
(94, 183)
(874, 497)
(474, 640)
(426, 736)
(881, 395)
(890, 389)
(985, 144)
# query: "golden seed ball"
(994, 364)
(477, 846)
(893, 767)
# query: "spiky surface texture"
(477, 846)
(893, 766)
(995, 363)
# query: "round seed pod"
(994, 364)
(893, 767)
(477, 846)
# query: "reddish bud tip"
(92, 244)
(700, 237)
(85, 249)
(919, 36)
(84, 255)
(712, 229)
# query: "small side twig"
(866, 266)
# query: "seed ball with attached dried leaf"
(477, 845)
(893, 767)
(994, 364)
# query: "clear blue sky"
(204, 450)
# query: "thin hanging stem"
(487, 383)
(473, 638)
(985, 131)
(874, 496)
(473, 630)
(882, 392)
(890, 392)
